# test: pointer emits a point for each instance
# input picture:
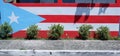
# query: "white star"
(13, 18)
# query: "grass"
(67, 38)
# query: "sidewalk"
(59, 53)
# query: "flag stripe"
(67, 5)
(74, 10)
(73, 27)
(70, 34)
(80, 19)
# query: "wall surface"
(73, 15)
(60, 44)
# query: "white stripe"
(73, 27)
(73, 10)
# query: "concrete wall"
(60, 44)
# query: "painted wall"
(73, 15)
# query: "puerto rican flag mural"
(73, 15)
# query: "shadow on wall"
(80, 11)
(103, 8)
(85, 12)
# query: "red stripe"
(71, 34)
(118, 1)
(65, 5)
(80, 19)
(59, 1)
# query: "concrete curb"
(59, 53)
(60, 44)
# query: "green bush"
(84, 31)
(55, 32)
(116, 38)
(5, 30)
(32, 32)
(103, 33)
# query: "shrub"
(84, 31)
(55, 32)
(116, 38)
(5, 30)
(103, 33)
(32, 32)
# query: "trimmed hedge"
(84, 31)
(32, 32)
(103, 33)
(5, 31)
(55, 32)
